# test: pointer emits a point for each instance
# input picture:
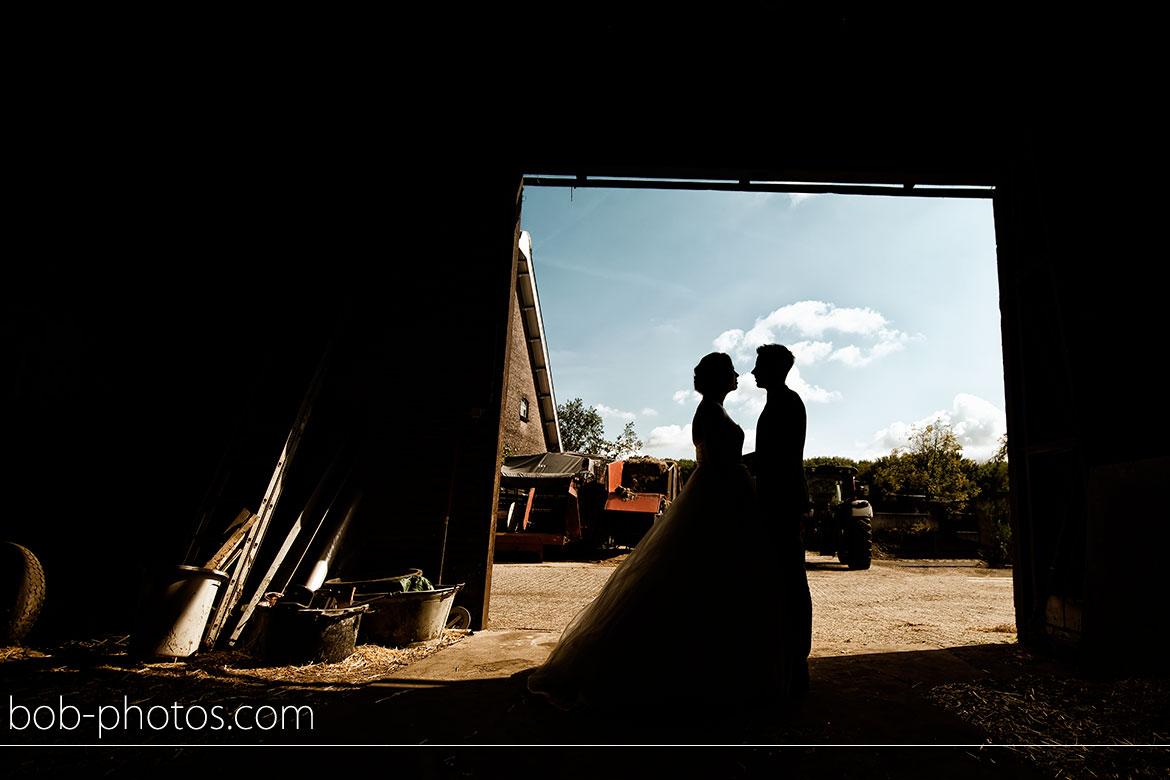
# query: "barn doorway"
(891, 306)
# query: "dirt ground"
(915, 669)
(895, 603)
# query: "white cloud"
(978, 425)
(811, 393)
(895, 435)
(728, 341)
(750, 399)
(749, 439)
(608, 411)
(747, 399)
(812, 318)
(669, 441)
(809, 352)
(850, 356)
(810, 321)
(855, 357)
(648, 412)
(884, 348)
(674, 441)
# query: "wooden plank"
(530, 540)
(241, 518)
(290, 538)
(233, 589)
(528, 509)
(220, 558)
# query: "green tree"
(626, 444)
(991, 505)
(830, 460)
(932, 465)
(582, 430)
(865, 472)
(887, 476)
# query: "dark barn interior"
(175, 301)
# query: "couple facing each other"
(724, 564)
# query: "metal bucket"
(298, 635)
(409, 618)
(173, 610)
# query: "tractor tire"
(22, 592)
(860, 543)
(826, 533)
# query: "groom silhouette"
(778, 464)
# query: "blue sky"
(889, 303)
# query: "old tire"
(860, 543)
(22, 590)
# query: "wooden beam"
(527, 509)
(905, 189)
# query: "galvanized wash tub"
(397, 618)
(412, 617)
(299, 635)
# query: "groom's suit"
(783, 497)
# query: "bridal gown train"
(694, 612)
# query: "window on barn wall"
(524, 409)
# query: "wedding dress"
(698, 586)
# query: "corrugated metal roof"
(549, 465)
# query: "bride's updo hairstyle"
(712, 372)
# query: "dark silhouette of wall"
(182, 284)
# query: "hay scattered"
(1071, 728)
(367, 664)
(98, 672)
(1002, 628)
(647, 475)
(612, 560)
(17, 653)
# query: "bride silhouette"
(699, 578)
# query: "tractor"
(840, 518)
